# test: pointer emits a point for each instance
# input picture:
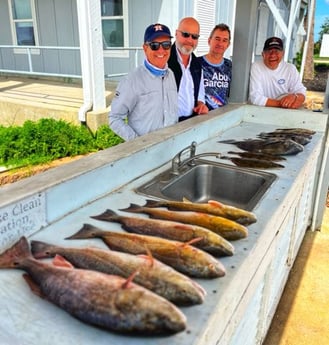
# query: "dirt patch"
(15, 175)
(319, 82)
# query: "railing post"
(30, 59)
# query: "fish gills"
(96, 298)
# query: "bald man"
(188, 70)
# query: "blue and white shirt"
(217, 81)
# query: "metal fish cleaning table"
(239, 307)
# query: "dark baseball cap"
(156, 30)
(273, 43)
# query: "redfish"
(181, 256)
(213, 207)
(209, 241)
(96, 298)
(152, 274)
(227, 228)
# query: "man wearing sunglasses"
(146, 99)
(274, 82)
(187, 70)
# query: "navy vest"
(195, 68)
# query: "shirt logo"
(281, 81)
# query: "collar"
(158, 72)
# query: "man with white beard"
(187, 70)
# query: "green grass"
(48, 139)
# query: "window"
(23, 25)
(114, 21)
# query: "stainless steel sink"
(207, 180)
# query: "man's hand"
(201, 108)
(292, 101)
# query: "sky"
(321, 12)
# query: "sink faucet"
(177, 164)
(176, 161)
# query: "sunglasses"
(156, 45)
(187, 35)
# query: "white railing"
(32, 50)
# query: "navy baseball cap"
(273, 43)
(156, 30)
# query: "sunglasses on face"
(156, 45)
(187, 35)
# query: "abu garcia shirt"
(217, 81)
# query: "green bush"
(48, 139)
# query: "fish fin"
(149, 255)
(108, 215)
(215, 203)
(194, 240)
(187, 200)
(129, 280)
(33, 286)
(59, 261)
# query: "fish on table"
(257, 155)
(107, 301)
(297, 131)
(181, 256)
(298, 138)
(207, 240)
(253, 163)
(212, 207)
(269, 146)
(152, 274)
(227, 228)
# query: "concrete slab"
(24, 99)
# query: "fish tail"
(41, 250)
(133, 208)
(87, 231)
(108, 215)
(153, 203)
(13, 256)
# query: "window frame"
(14, 32)
(111, 52)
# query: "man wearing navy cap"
(146, 99)
(274, 82)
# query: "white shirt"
(267, 83)
(186, 89)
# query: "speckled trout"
(96, 298)
(152, 274)
(183, 257)
(213, 207)
(227, 228)
(208, 240)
